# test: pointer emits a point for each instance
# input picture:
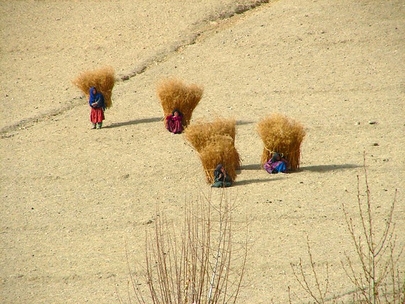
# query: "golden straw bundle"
(174, 94)
(283, 135)
(102, 79)
(220, 150)
(200, 133)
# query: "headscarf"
(218, 171)
(176, 110)
(219, 167)
(275, 157)
(92, 95)
(97, 97)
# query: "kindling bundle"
(102, 79)
(215, 143)
(220, 151)
(201, 132)
(283, 135)
(174, 94)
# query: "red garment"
(173, 124)
(96, 115)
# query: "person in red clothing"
(97, 105)
(174, 122)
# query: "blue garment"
(221, 179)
(96, 97)
(276, 164)
(92, 98)
(281, 167)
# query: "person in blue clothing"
(97, 105)
(221, 178)
(276, 164)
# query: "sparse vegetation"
(202, 264)
(376, 274)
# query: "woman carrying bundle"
(174, 122)
(277, 163)
(97, 105)
(221, 178)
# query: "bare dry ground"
(75, 201)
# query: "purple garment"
(275, 166)
(174, 124)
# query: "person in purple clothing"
(174, 122)
(277, 163)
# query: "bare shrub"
(312, 283)
(202, 264)
(379, 280)
(376, 275)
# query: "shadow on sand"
(153, 119)
(241, 122)
(320, 168)
(326, 168)
(254, 181)
(134, 122)
(250, 167)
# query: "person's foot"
(94, 126)
(99, 126)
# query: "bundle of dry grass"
(283, 135)
(199, 134)
(220, 149)
(103, 79)
(215, 143)
(174, 94)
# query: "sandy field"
(75, 201)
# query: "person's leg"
(267, 167)
(282, 167)
(93, 118)
(217, 185)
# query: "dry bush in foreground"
(202, 264)
(174, 94)
(378, 276)
(379, 280)
(103, 79)
(318, 286)
(283, 135)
